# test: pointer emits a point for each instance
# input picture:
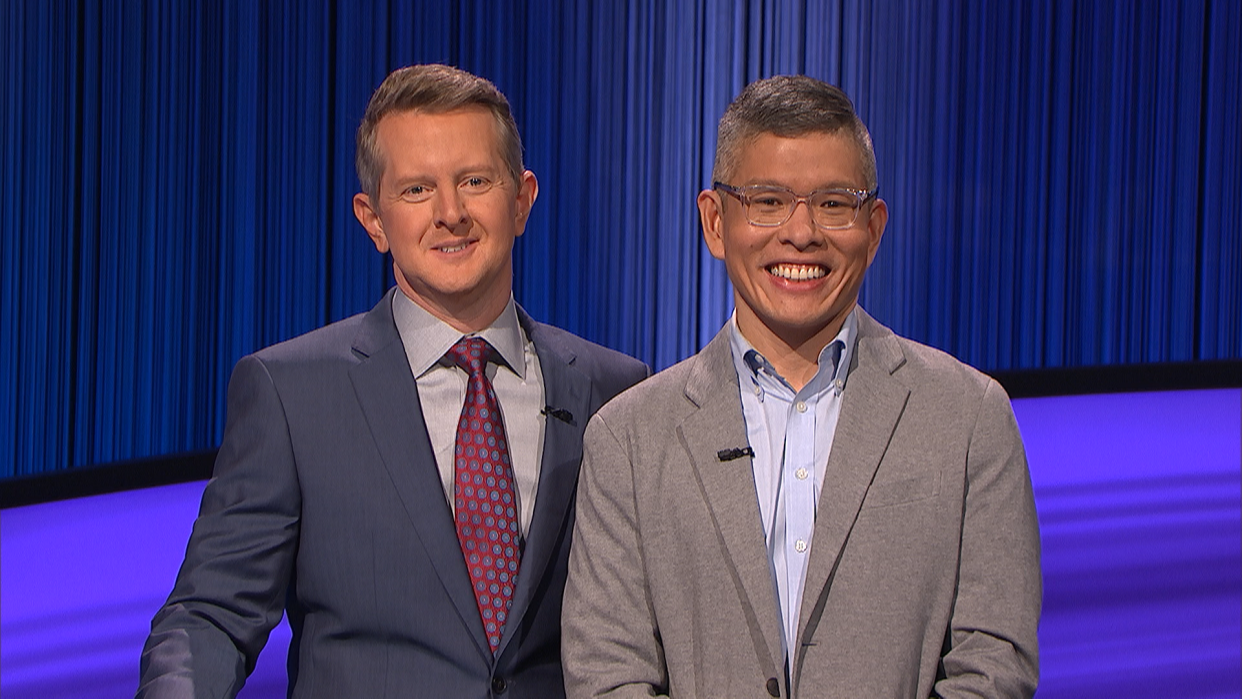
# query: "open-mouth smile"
(797, 272)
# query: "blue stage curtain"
(1064, 180)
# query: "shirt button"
(801, 474)
(801, 407)
(799, 546)
(758, 390)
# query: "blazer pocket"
(903, 491)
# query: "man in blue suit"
(343, 494)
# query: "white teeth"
(798, 273)
(455, 248)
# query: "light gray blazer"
(923, 576)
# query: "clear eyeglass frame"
(772, 205)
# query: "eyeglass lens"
(829, 208)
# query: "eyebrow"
(832, 185)
(457, 175)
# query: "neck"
(793, 352)
(466, 315)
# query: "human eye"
(415, 193)
(476, 184)
(836, 199)
(769, 199)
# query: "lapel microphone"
(559, 413)
(731, 454)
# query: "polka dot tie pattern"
(485, 506)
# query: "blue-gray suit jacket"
(326, 503)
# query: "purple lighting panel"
(79, 582)
(1139, 499)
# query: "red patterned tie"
(483, 492)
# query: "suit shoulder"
(608, 369)
(661, 393)
(332, 342)
(930, 368)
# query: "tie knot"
(471, 354)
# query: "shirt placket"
(798, 493)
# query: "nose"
(451, 212)
(800, 230)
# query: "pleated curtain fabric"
(1064, 180)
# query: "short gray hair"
(789, 106)
(434, 89)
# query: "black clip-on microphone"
(559, 413)
(731, 454)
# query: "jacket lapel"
(389, 398)
(729, 488)
(873, 404)
(564, 388)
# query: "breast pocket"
(901, 492)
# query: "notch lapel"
(729, 489)
(874, 402)
(386, 391)
(565, 388)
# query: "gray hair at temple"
(433, 89)
(789, 106)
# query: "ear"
(875, 227)
(368, 216)
(711, 217)
(528, 191)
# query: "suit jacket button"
(774, 687)
(498, 685)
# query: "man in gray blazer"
(366, 463)
(811, 506)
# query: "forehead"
(804, 162)
(467, 137)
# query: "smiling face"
(449, 212)
(793, 284)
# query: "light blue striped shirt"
(791, 434)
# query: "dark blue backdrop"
(1064, 178)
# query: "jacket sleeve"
(991, 649)
(231, 589)
(610, 645)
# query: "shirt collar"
(427, 338)
(750, 364)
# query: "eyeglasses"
(770, 205)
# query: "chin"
(804, 324)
